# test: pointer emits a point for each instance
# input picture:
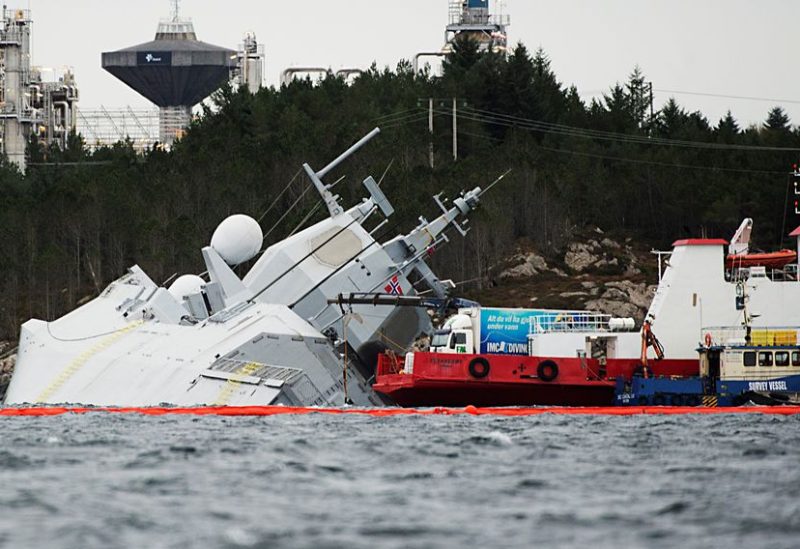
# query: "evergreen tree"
(777, 120)
(671, 120)
(464, 55)
(638, 90)
(618, 113)
(520, 96)
(727, 129)
(547, 90)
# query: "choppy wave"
(328, 481)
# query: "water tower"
(175, 71)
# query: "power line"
(411, 120)
(385, 117)
(633, 160)
(500, 119)
(546, 127)
(506, 120)
(724, 96)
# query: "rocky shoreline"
(6, 366)
(595, 273)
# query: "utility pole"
(430, 131)
(455, 129)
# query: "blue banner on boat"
(505, 331)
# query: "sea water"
(444, 481)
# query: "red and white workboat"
(573, 358)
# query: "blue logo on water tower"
(154, 58)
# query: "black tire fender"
(659, 400)
(547, 370)
(479, 368)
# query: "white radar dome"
(186, 285)
(237, 239)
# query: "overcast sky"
(728, 47)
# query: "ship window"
(782, 358)
(440, 339)
(796, 358)
(750, 359)
(461, 339)
(765, 359)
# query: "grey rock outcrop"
(530, 264)
(6, 366)
(581, 256)
(624, 299)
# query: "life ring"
(547, 371)
(479, 368)
(708, 340)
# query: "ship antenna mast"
(176, 9)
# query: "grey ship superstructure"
(270, 338)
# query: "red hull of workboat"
(426, 393)
(445, 380)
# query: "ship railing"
(570, 322)
(788, 273)
(753, 336)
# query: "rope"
(286, 188)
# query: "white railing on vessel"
(787, 273)
(569, 321)
(754, 336)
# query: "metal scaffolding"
(103, 128)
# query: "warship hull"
(260, 354)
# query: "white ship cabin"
(761, 354)
(707, 283)
(583, 334)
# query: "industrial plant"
(31, 106)
(473, 19)
(175, 71)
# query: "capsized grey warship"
(270, 338)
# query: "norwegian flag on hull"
(393, 287)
